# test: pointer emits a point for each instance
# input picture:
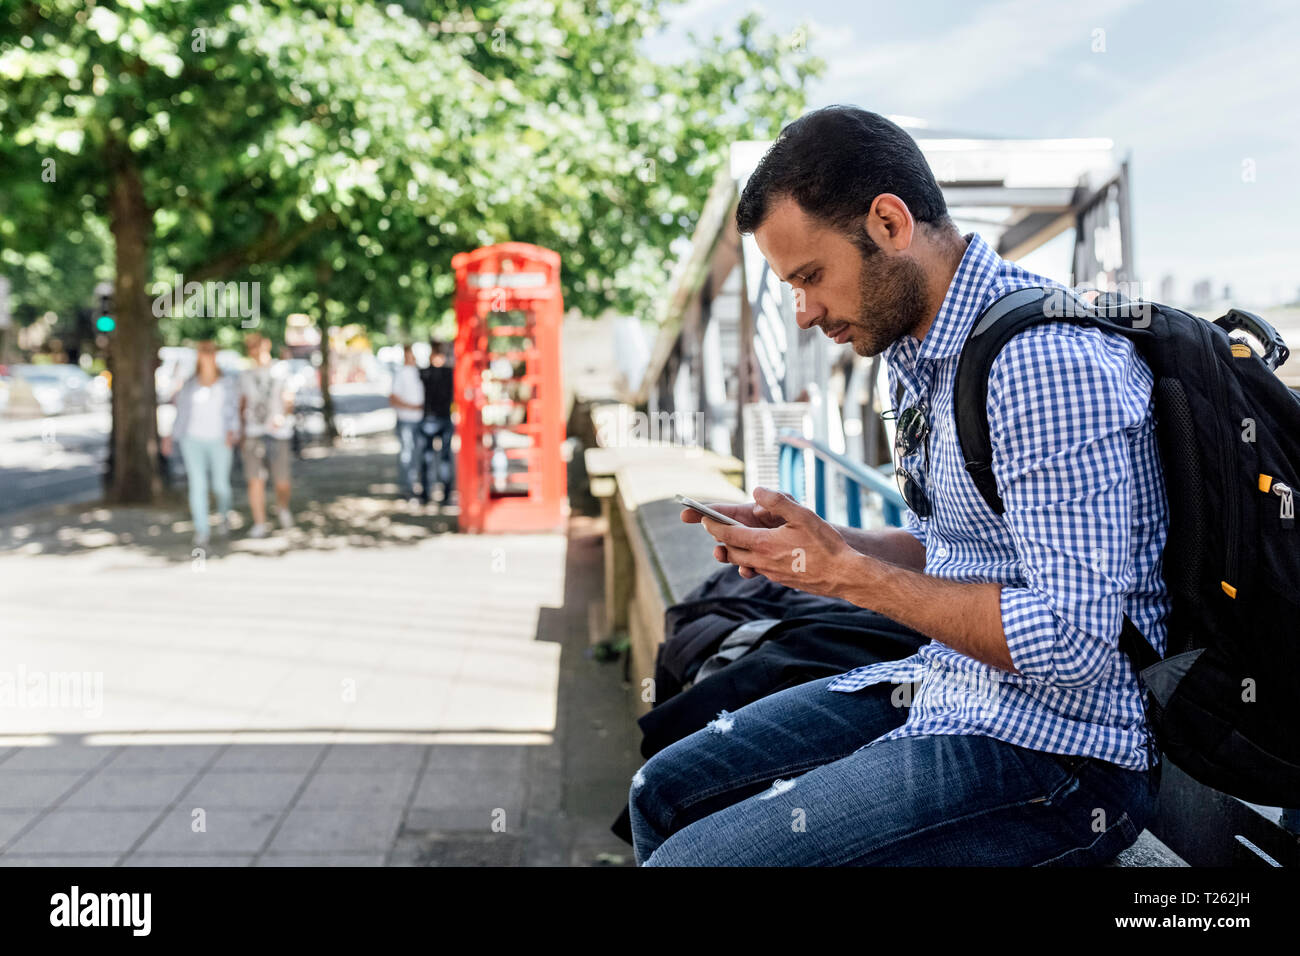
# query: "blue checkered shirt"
(1076, 463)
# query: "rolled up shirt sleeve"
(1062, 403)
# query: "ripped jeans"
(778, 783)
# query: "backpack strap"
(1138, 649)
(992, 330)
(1002, 319)
(993, 327)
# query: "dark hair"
(834, 162)
(437, 347)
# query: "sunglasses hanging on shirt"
(911, 429)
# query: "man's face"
(869, 299)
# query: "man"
(408, 399)
(437, 426)
(1017, 735)
(266, 411)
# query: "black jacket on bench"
(816, 637)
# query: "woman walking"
(206, 428)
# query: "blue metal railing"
(856, 476)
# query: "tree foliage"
(277, 142)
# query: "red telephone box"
(509, 389)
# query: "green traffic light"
(105, 323)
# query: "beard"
(891, 298)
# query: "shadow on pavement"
(345, 496)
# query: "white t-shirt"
(207, 411)
(265, 389)
(407, 387)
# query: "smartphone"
(706, 510)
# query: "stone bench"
(1148, 851)
(653, 558)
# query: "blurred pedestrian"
(205, 430)
(408, 399)
(295, 440)
(266, 410)
(437, 427)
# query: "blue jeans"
(207, 465)
(781, 782)
(407, 457)
(444, 472)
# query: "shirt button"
(942, 551)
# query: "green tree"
(61, 277)
(343, 152)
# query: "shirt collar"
(961, 305)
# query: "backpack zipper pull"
(1283, 491)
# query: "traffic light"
(105, 321)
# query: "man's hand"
(167, 446)
(752, 516)
(786, 543)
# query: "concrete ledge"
(1148, 851)
(669, 557)
(603, 465)
(682, 554)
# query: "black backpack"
(1225, 699)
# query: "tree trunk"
(323, 274)
(135, 477)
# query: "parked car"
(94, 388)
(306, 381)
(55, 389)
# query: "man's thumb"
(773, 501)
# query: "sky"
(1203, 98)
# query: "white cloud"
(1249, 88)
(1002, 42)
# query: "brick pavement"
(368, 688)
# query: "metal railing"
(856, 477)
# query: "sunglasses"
(911, 429)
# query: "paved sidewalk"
(365, 689)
